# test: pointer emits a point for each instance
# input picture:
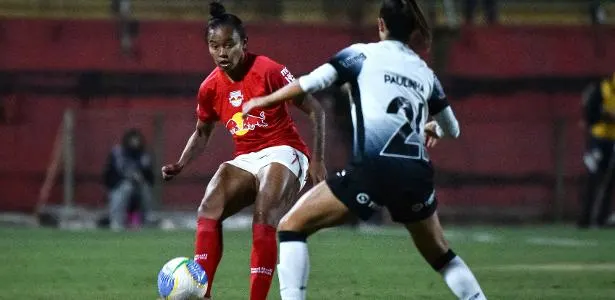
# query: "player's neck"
(238, 72)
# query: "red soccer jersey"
(221, 99)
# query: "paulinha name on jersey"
(235, 98)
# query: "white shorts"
(288, 156)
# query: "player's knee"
(210, 209)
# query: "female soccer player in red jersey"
(271, 159)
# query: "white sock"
(461, 281)
(293, 270)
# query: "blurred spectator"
(599, 106)
(128, 177)
(598, 13)
(122, 9)
(490, 9)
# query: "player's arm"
(206, 117)
(321, 78)
(310, 106)
(194, 147)
(197, 142)
(445, 123)
(343, 67)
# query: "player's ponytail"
(406, 22)
(216, 10)
(220, 17)
(422, 27)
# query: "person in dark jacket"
(599, 113)
(129, 177)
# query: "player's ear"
(245, 44)
(381, 26)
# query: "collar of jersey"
(398, 44)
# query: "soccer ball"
(181, 279)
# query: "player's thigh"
(428, 236)
(230, 190)
(318, 208)
(278, 189)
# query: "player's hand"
(318, 171)
(171, 170)
(431, 134)
(251, 105)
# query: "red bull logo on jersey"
(235, 98)
(238, 125)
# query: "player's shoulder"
(354, 49)
(210, 82)
(265, 64)
(350, 56)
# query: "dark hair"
(220, 17)
(403, 18)
(129, 134)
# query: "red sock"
(262, 261)
(208, 248)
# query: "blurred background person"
(489, 7)
(128, 177)
(599, 112)
(597, 12)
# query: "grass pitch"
(526, 263)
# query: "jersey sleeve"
(348, 64)
(437, 102)
(278, 76)
(319, 79)
(205, 104)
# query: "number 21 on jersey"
(407, 141)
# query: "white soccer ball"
(181, 279)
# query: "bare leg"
(230, 190)
(429, 238)
(278, 187)
(317, 209)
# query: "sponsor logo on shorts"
(296, 158)
(363, 198)
(261, 270)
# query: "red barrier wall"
(512, 136)
(503, 135)
(161, 46)
(500, 52)
(505, 52)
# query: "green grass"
(50, 264)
